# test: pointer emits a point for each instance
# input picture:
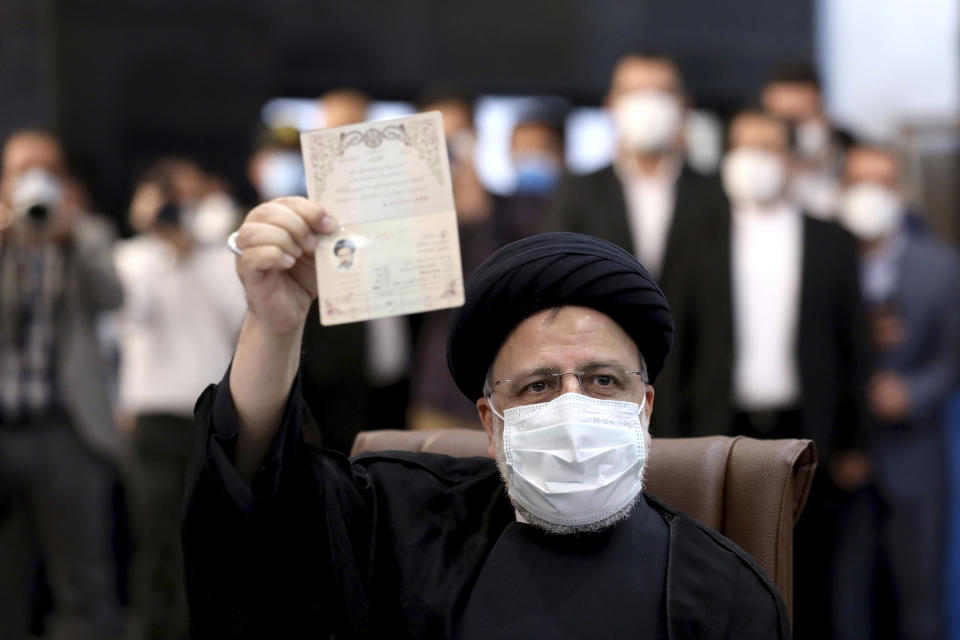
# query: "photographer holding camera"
(58, 443)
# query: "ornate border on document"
(426, 140)
(323, 150)
(373, 138)
(423, 135)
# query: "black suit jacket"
(595, 204)
(831, 347)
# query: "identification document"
(397, 250)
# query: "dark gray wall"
(126, 80)
(27, 75)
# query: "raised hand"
(277, 269)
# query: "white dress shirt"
(388, 350)
(766, 255)
(650, 202)
(180, 321)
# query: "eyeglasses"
(603, 381)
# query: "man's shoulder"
(690, 176)
(602, 178)
(93, 228)
(447, 469)
(709, 541)
(710, 573)
(828, 232)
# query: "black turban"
(552, 270)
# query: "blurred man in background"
(911, 286)
(649, 200)
(537, 154)
(793, 93)
(207, 212)
(777, 343)
(536, 151)
(776, 327)
(58, 442)
(182, 311)
(794, 300)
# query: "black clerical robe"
(412, 545)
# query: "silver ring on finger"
(232, 243)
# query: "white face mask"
(753, 176)
(647, 121)
(574, 461)
(212, 219)
(871, 211)
(37, 195)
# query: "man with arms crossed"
(551, 537)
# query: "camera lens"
(38, 214)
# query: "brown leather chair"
(751, 491)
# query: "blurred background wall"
(126, 80)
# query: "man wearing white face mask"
(911, 286)
(58, 442)
(181, 314)
(777, 344)
(649, 201)
(779, 309)
(558, 344)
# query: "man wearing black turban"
(558, 343)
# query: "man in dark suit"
(911, 285)
(814, 357)
(649, 201)
(775, 343)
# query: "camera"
(37, 196)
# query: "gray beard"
(540, 523)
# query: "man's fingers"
(278, 232)
(266, 258)
(315, 216)
(302, 219)
(276, 214)
(255, 234)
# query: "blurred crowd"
(811, 299)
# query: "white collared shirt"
(180, 321)
(650, 202)
(766, 255)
